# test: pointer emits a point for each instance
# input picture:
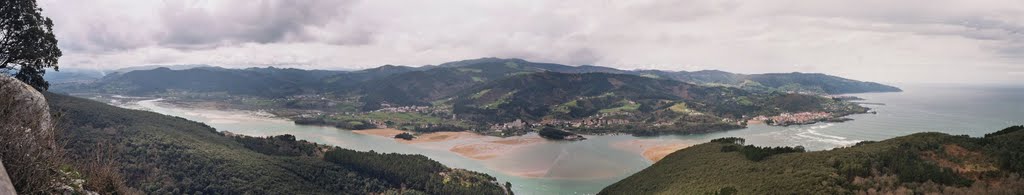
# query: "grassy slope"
(161, 154)
(704, 168)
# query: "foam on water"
(812, 133)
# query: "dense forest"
(752, 152)
(921, 163)
(139, 151)
(628, 103)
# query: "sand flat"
(420, 138)
(656, 153)
(473, 146)
(443, 137)
(389, 133)
(492, 148)
(476, 151)
(653, 150)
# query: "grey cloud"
(860, 38)
(268, 21)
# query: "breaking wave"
(812, 133)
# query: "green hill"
(269, 82)
(445, 80)
(629, 103)
(769, 82)
(159, 154)
(484, 94)
(921, 163)
(402, 85)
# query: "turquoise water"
(587, 166)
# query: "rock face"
(27, 145)
(23, 98)
(5, 182)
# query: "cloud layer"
(879, 40)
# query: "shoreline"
(481, 147)
(831, 119)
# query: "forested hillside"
(921, 163)
(122, 150)
(267, 82)
(774, 82)
(490, 95)
(628, 103)
(421, 85)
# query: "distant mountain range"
(462, 74)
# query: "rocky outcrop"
(28, 146)
(5, 182)
(19, 98)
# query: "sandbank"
(390, 133)
(656, 153)
(492, 148)
(472, 145)
(653, 150)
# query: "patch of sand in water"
(490, 149)
(389, 133)
(473, 146)
(653, 150)
(420, 138)
(656, 153)
(443, 137)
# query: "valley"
(549, 167)
(511, 97)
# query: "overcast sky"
(969, 41)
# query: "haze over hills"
(473, 70)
